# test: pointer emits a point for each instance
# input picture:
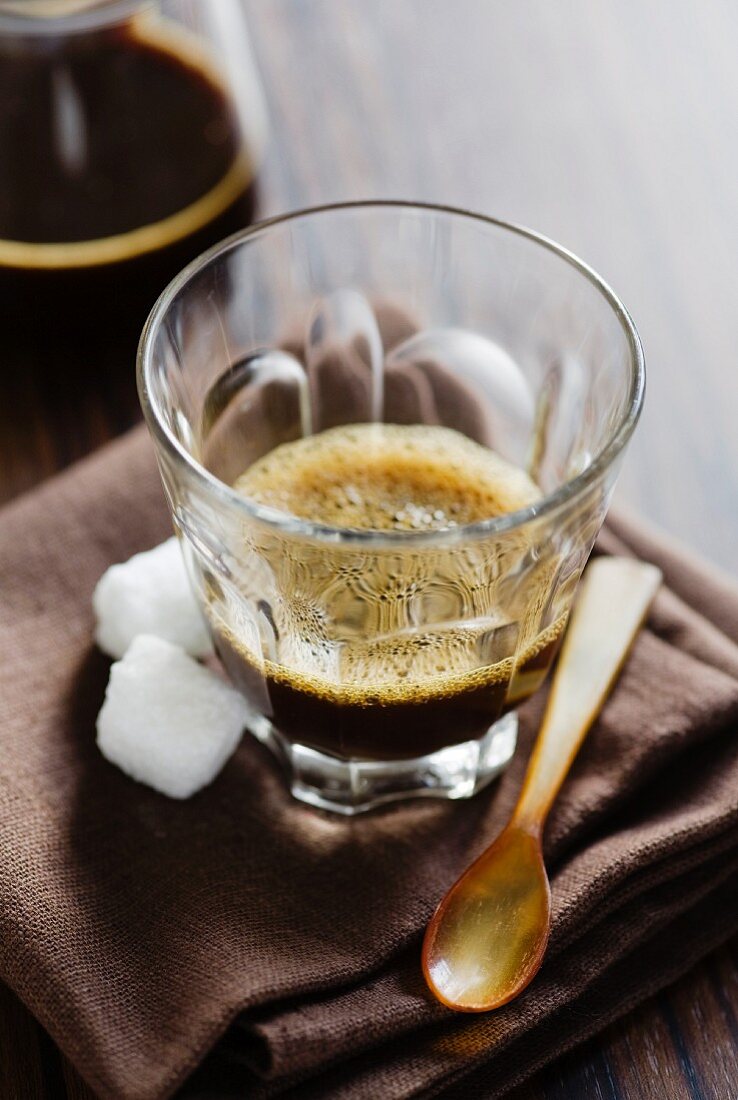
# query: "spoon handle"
(614, 597)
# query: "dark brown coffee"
(377, 723)
(122, 160)
(393, 656)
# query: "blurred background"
(610, 127)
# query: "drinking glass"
(525, 349)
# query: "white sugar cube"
(149, 594)
(168, 721)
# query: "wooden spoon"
(487, 938)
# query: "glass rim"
(38, 17)
(288, 524)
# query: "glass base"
(353, 786)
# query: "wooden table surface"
(609, 125)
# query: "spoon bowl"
(488, 942)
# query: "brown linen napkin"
(137, 929)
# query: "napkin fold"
(281, 945)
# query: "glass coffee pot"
(131, 134)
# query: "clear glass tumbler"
(402, 313)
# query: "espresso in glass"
(388, 435)
(412, 654)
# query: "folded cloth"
(142, 931)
